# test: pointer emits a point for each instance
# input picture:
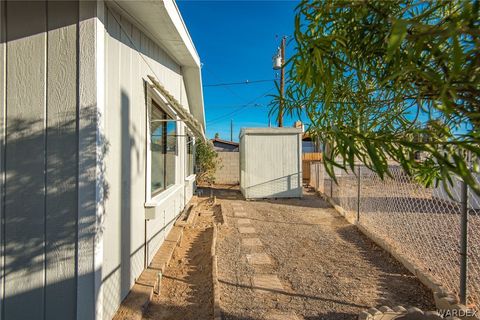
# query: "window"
(190, 155)
(163, 149)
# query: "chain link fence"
(422, 224)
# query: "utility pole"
(282, 82)
(279, 63)
(231, 129)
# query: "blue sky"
(236, 41)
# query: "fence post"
(358, 195)
(317, 170)
(463, 243)
(331, 188)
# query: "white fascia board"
(177, 20)
(193, 78)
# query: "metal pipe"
(464, 244)
(358, 195)
(145, 247)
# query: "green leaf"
(399, 32)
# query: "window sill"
(160, 198)
(191, 177)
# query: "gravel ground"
(417, 223)
(327, 268)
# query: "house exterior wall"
(271, 165)
(44, 128)
(130, 57)
(72, 158)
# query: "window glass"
(171, 152)
(163, 147)
(157, 148)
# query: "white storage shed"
(271, 163)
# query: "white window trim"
(159, 198)
(194, 139)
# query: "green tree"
(217, 135)
(206, 162)
(374, 76)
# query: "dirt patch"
(327, 268)
(186, 287)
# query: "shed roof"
(270, 131)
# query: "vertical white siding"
(271, 163)
(2, 134)
(39, 213)
(25, 202)
(61, 159)
(130, 57)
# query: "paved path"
(298, 259)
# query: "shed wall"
(271, 165)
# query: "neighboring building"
(100, 105)
(309, 145)
(224, 145)
(311, 150)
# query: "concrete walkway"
(298, 259)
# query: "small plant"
(206, 162)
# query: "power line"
(206, 68)
(216, 106)
(237, 83)
(240, 108)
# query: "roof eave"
(161, 20)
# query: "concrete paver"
(259, 258)
(239, 214)
(252, 242)
(277, 315)
(246, 230)
(244, 221)
(267, 283)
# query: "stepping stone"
(259, 258)
(246, 230)
(251, 242)
(267, 283)
(277, 315)
(244, 221)
(241, 214)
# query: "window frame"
(152, 99)
(190, 136)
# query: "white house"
(100, 105)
